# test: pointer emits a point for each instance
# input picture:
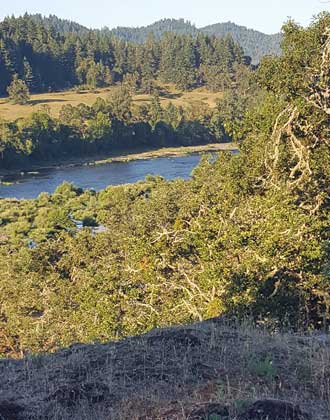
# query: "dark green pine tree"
(186, 63)
(120, 58)
(69, 59)
(205, 50)
(28, 75)
(6, 67)
(134, 58)
(4, 76)
(168, 48)
(150, 60)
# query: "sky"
(264, 15)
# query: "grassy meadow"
(55, 100)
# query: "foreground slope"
(206, 370)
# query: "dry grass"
(55, 101)
(211, 370)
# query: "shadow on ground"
(211, 370)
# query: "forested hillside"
(254, 43)
(47, 60)
(247, 236)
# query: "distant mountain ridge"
(256, 44)
(158, 29)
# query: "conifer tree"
(28, 74)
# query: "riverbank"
(122, 156)
(171, 152)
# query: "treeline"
(117, 124)
(247, 236)
(254, 43)
(61, 26)
(47, 60)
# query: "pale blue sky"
(264, 15)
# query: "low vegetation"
(212, 370)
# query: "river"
(97, 177)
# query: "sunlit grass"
(55, 101)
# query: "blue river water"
(97, 177)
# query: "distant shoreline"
(121, 156)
